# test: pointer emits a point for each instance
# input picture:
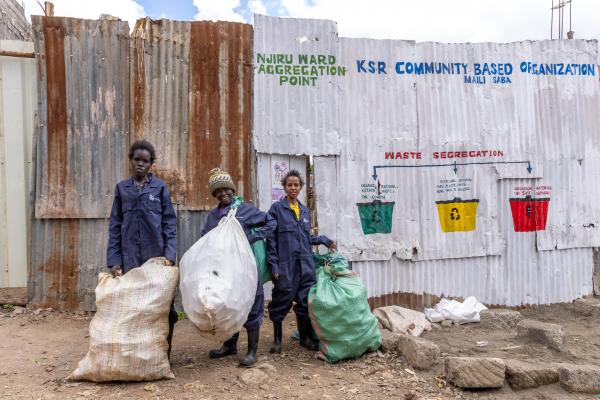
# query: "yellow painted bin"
(458, 215)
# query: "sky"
(420, 20)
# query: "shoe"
(304, 329)
(229, 348)
(250, 358)
(277, 333)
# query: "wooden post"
(48, 9)
(596, 274)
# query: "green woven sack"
(259, 248)
(339, 310)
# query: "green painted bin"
(376, 216)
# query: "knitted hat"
(219, 179)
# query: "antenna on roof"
(559, 10)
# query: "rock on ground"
(500, 319)
(258, 375)
(551, 335)
(420, 353)
(579, 378)
(389, 340)
(18, 311)
(587, 307)
(475, 372)
(446, 323)
(523, 375)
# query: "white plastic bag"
(128, 334)
(455, 311)
(219, 280)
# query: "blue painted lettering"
(360, 66)
(399, 66)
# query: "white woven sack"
(219, 280)
(128, 334)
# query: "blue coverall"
(289, 253)
(249, 217)
(142, 225)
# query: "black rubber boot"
(304, 328)
(229, 348)
(277, 334)
(250, 358)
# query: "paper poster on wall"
(278, 171)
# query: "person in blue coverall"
(223, 189)
(290, 259)
(142, 224)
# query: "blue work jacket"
(291, 241)
(248, 216)
(142, 225)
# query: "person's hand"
(169, 263)
(116, 271)
(275, 276)
(332, 247)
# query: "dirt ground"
(39, 349)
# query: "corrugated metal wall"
(13, 23)
(191, 90)
(306, 124)
(390, 102)
(83, 71)
(185, 86)
(81, 139)
(17, 105)
(159, 68)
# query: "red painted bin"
(529, 214)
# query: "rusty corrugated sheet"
(191, 97)
(68, 254)
(220, 108)
(220, 119)
(82, 135)
(159, 68)
(66, 257)
(170, 91)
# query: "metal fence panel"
(220, 116)
(191, 97)
(17, 102)
(83, 128)
(159, 68)
(84, 131)
(296, 79)
(13, 23)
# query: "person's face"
(292, 187)
(224, 195)
(140, 163)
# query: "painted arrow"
(454, 165)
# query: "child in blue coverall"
(290, 259)
(142, 224)
(223, 189)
